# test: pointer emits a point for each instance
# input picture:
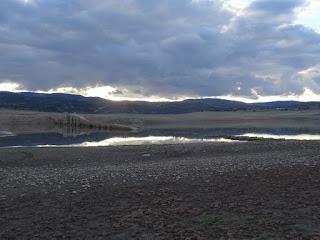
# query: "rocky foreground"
(254, 190)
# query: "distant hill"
(58, 102)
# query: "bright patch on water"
(156, 136)
(299, 137)
(122, 141)
(6, 134)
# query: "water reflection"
(116, 141)
(299, 137)
(145, 137)
(6, 134)
(102, 139)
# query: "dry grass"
(27, 121)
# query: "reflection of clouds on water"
(118, 141)
(160, 136)
(6, 134)
(301, 137)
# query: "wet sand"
(253, 190)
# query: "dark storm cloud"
(157, 47)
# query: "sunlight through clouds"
(161, 50)
(236, 6)
(112, 93)
(307, 96)
(310, 15)
(10, 86)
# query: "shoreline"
(249, 190)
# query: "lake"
(145, 137)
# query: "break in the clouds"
(144, 48)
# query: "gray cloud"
(158, 47)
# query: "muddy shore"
(253, 190)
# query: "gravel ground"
(253, 190)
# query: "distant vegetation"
(78, 104)
(75, 122)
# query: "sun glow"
(111, 93)
(307, 15)
(236, 6)
(124, 94)
(307, 96)
(10, 86)
(310, 15)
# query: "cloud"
(10, 86)
(163, 48)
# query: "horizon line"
(226, 98)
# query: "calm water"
(163, 136)
(301, 137)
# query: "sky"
(162, 50)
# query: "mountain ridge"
(62, 102)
